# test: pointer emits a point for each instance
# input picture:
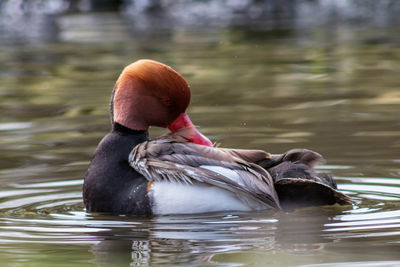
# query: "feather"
(172, 158)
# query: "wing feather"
(168, 160)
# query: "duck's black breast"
(111, 185)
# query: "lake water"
(334, 89)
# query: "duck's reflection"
(302, 231)
(184, 239)
(121, 246)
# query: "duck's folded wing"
(187, 162)
(267, 160)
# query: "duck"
(182, 172)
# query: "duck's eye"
(167, 101)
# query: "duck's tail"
(298, 185)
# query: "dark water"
(334, 89)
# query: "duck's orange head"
(149, 93)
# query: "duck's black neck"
(119, 128)
(111, 184)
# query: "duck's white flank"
(178, 198)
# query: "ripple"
(22, 202)
(50, 184)
(14, 193)
(372, 180)
(15, 126)
(370, 215)
(379, 189)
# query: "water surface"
(330, 88)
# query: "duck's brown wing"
(249, 155)
(296, 182)
(267, 160)
(184, 162)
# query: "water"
(330, 88)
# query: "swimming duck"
(182, 172)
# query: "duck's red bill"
(183, 121)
